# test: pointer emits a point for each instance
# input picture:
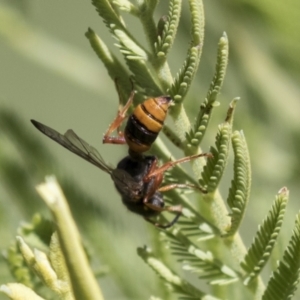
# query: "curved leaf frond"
(197, 19)
(17, 266)
(184, 77)
(264, 241)
(38, 233)
(191, 222)
(135, 55)
(126, 6)
(186, 74)
(285, 279)
(18, 291)
(173, 281)
(114, 67)
(197, 260)
(214, 168)
(194, 137)
(239, 191)
(166, 39)
(109, 14)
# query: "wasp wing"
(127, 186)
(75, 144)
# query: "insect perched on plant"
(143, 125)
(138, 181)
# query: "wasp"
(143, 125)
(138, 181)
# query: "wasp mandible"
(137, 181)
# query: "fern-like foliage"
(185, 75)
(172, 280)
(239, 191)
(136, 56)
(197, 240)
(126, 6)
(17, 266)
(264, 241)
(194, 137)
(198, 261)
(213, 170)
(166, 38)
(115, 68)
(38, 234)
(285, 279)
(110, 15)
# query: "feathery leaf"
(194, 137)
(264, 241)
(184, 77)
(173, 281)
(115, 68)
(186, 74)
(17, 266)
(285, 279)
(136, 57)
(126, 6)
(165, 40)
(214, 168)
(109, 14)
(239, 191)
(198, 261)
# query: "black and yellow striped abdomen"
(145, 123)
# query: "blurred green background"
(49, 72)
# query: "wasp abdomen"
(145, 123)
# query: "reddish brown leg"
(156, 171)
(117, 122)
(151, 170)
(177, 208)
(181, 186)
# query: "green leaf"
(136, 57)
(264, 241)
(165, 40)
(187, 72)
(195, 136)
(239, 191)
(18, 267)
(173, 281)
(197, 260)
(214, 169)
(184, 77)
(18, 291)
(109, 14)
(126, 6)
(285, 279)
(115, 68)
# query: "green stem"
(84, 284)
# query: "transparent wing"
(127, 186)
(75, 144)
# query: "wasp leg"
(155, 174)
(117, 122)
(182, 186)
(159, 170)
(177, 209)
(153, 167)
